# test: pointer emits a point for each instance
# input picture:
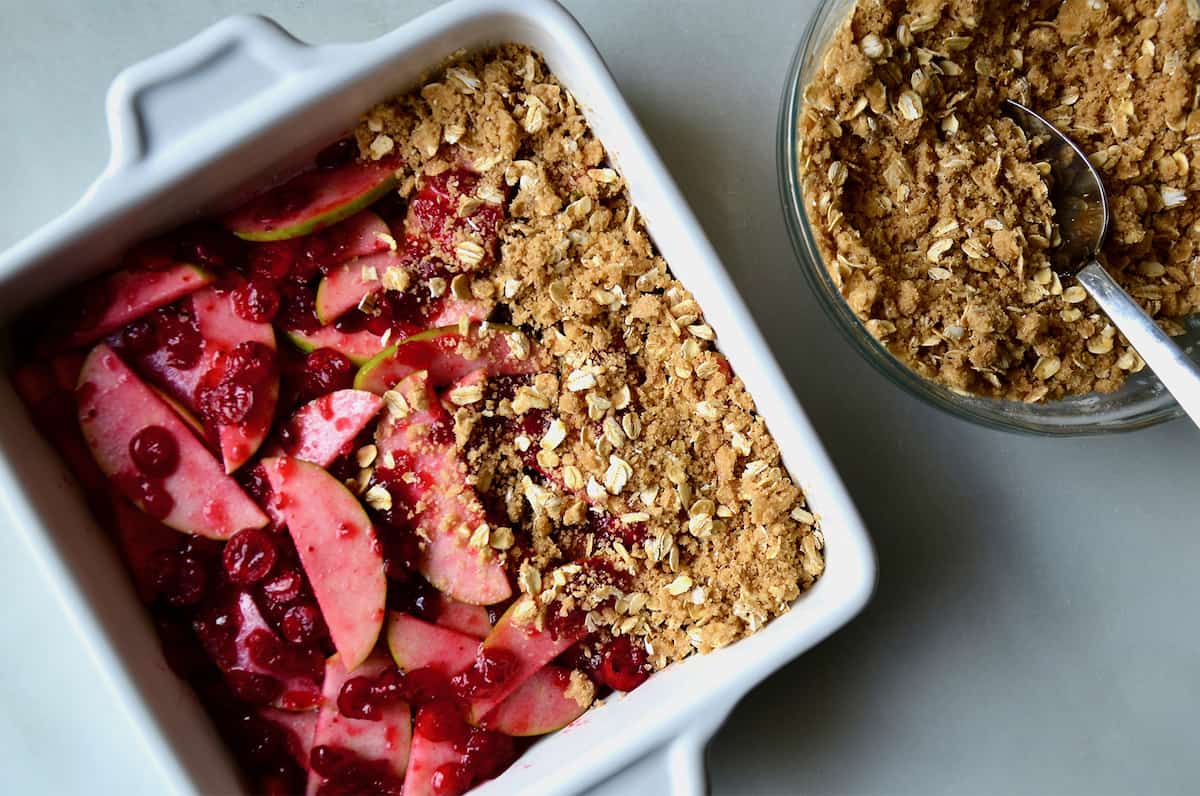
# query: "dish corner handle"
(156, 101)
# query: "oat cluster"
(653, 457)
(931, 210)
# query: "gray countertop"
(1034, 628)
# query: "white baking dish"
(197, 124)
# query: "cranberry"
(139, 337)
(302, 624)
(624, 664)
(271, 262)
(226, 403)
(353, 321)
(217, 628)
(256, 301)
(250, 363)
(180, 336)
(297, 307)
(257, 689)
(491, 671)
(249, 556)
(154, 451)
(450, 779)
(426, 685)
(329, 760)
(340, 153)
(355, 700)
(326, 370)
(389, 685)
(279, 203)
(564, 626)
(284, 588)
(441, 721)
(487, 754)
(150, 493)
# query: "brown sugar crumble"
(632, 481)
(932, 212)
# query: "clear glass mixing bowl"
(1141, 402)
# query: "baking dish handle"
(160, 102)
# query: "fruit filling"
(420, 454)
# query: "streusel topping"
(639, 485)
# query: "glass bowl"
(1140, 403)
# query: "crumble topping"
(638, 452)
(932, 212)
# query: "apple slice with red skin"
(537, 706)
(385, 741)
(115, 406)
(531, 648)
(432, 748)
(312, 201)
(448, 355)
(440, 502)
(359, 347)
(298, 729)
(236, 635)
(360, 235)
(118, 298)
(338, 550)
(324, 428)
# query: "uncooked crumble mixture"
(932, 212)
(638, 448)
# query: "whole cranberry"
(249, 556)
(355, 700)
(450, 779)
(256, 301)
(154, 451)
(624, 665)
(441, 721)
(326, 370)
(302, 624)
(257, 689)
(427, 685)
(284, 588)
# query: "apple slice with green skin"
(531, 648)
(312, 201)
(345, 286)
(238, 638)
(440, 504)
(123, 296)
(338, 550)
(360, 235)
(359, 347)
(298, 729)
(115, 407)
(417, 644)
(541, 704)
(321, 430)
(385, 741)
(448, 355)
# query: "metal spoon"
(1081, 210)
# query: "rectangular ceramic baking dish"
(193, 127)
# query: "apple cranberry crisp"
(932, 212)
(416, 454)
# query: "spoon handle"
(1178, 373)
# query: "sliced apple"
(533, 649)
(545, 702)
(359, 347)
(338, 550)
(321, 430)
(361, 234)
(118, 298)
(417, 644)
(427, 753)
(312, 201)
(298, 728)
(385, 741)
(441, 505)
(345, 286)
(237, 637)
(448, 355)
(472, 620)
(198, 497)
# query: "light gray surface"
(1034, 629)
